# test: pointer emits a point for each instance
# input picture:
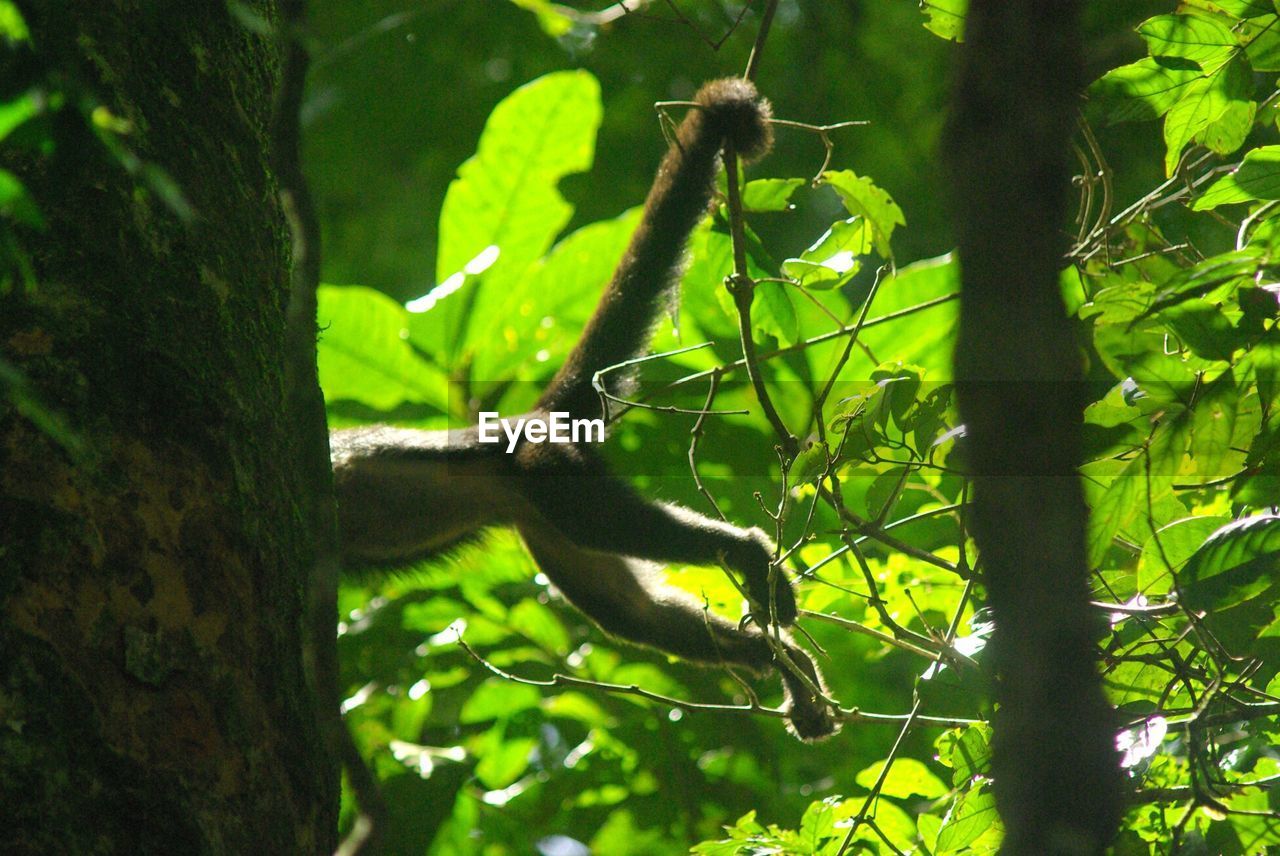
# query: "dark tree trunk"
(1018, 368)
(152, 581)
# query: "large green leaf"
(833, 258)
(363, 354)
(1236, 563)
(1213, 425)
(1208, 42)
(770, 194)
(924, 337)
(862, 198)
(1257, 177)
(906, 778)
(945, 18)
(506, 195)
(1203, 102)
(1140, 91)
(1261, 39)
(525, 331)
(1168, 550)
(972, 814)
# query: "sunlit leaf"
(26, 106)
(17, 203)
(834, 257)
(1203, 102)
(498, 699)
(1257, 177)
(770, 194)
(1236, 563)
(906, 778)
(1140, 91)
(12, 27)
(363, 354)
(945, 18)
(506, 195)
(503, 764)
(972, 814)
(1205, 41)
(862, 198)
(1260, 36)
(1169, 548)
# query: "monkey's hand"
(808, 715)
(753, 559)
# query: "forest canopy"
(478, 169)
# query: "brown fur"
(406, 495)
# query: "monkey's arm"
(573, 491)
(624, 598)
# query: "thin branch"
(757, 50)
(742, 288)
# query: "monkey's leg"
(596, 510)
(614, 593)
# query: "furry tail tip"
(734, 107)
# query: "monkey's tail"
(727, 110)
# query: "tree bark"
(152, 575)
(1018, 371)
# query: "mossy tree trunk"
(152, 574)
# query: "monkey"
(405, 495)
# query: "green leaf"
(945, 18)
(1228, 132)
(862, 198)
(923, 338)
(1203, 278)
(1140, 91)
(774, 313)
(13, 113)
(506, 762)
(506, 195)
(1115, 509)
(809, 465)
(1232, 8)
(551, 18)
(539, 624)
(770, 194)
(1169, 548)
(1261, 39)
(1205, 41)
(818, 823)
(1236, 563)
(1203, 328)
(580, 707)
(972, 814)
(833, 258)
(498, 699)
(363, 355)
(1203, 102)
(531, 326)
(1257, 178)
(1213, 425)
(970, 755)
(906, 778)
(12, 27)
(17, 203)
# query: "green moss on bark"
(152, 697)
